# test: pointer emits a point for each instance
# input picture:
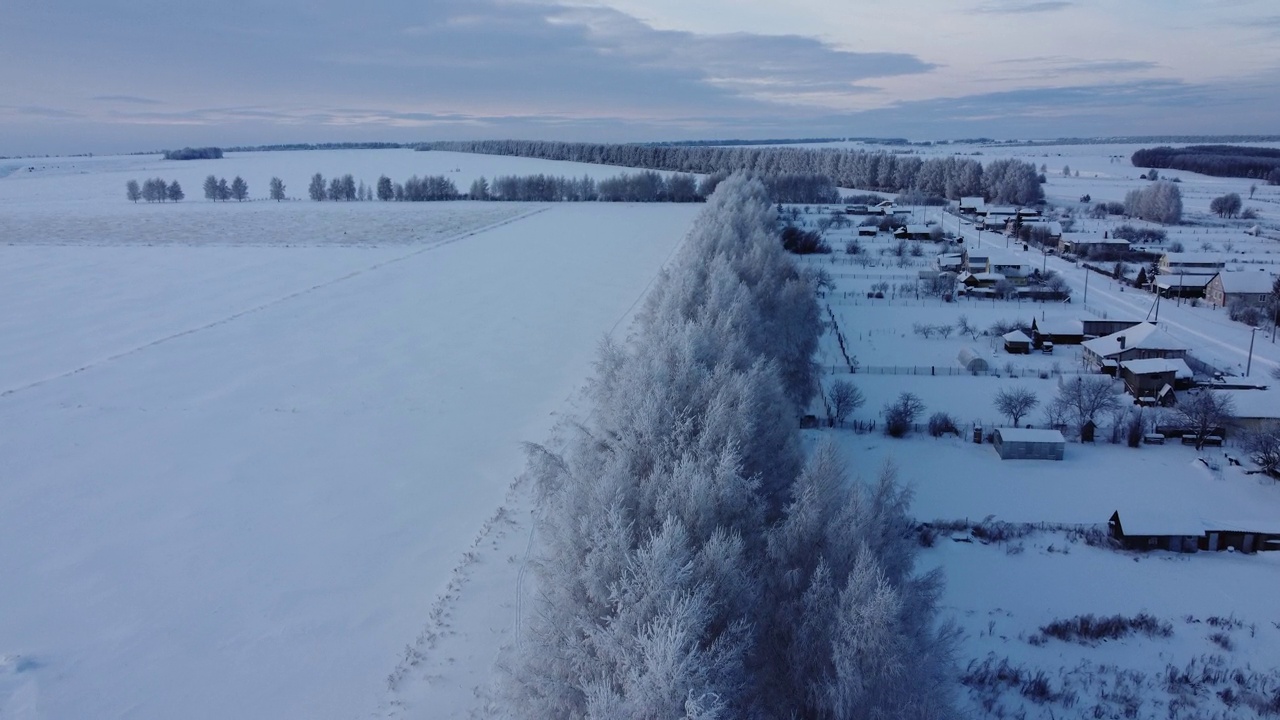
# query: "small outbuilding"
(1029, 444)
(1153, 531)
(1017, 342)
(972, 361)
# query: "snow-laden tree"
(276, 189)
(133, 191)
(689, 564)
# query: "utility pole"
(1086, 285)
(1249, 366)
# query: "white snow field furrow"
(254, 519)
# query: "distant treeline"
(323, 146)
(1004, 181)
(1216, 160)
(205, 153)
(643, 186)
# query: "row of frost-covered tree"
(690, 561)
(1003, 181)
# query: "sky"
(129, 75)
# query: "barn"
(1144, 531)
(1029, 444)
(972, 361)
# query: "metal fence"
(949, 371)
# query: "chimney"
(1121, 339)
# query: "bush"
(900, 414)
(803, 242)
(1139, 235)
(940, 423)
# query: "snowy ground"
(239, 473)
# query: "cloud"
(129, 99)
(1013, 7)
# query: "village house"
(1152, 381)
(1057, 330)
(953, 262)
(1082, 245)
(1014, 272)
(1253, 287)
(980, 280)
(1255, 410)
(914, 232)
(1181, 286)
(1190, 264)
(973, 206)
(1099, 327)
(1139, 342)
(977, 263)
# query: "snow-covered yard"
(239, 468)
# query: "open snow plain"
(238, 467)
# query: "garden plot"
(1213, 651)
(955, 478)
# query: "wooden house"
(1253, 287)
(1139, 342)
(1182, 285)
(1152, 381)
(1098, 328)
(1057, 330)
(1190, 264)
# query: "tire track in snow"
(270, 304)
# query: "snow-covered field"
(241, 466)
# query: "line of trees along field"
(690, 562)
(1004, 181)
(154, 190)
(1216, 160)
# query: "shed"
(972, 361)
(1029, 444)
(1017, 342)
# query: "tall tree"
(211, 188)
(174, 192)
(276, 189)
(224, 190)
(385, 191)
(239, 189)
(132, 191)
(316, 189)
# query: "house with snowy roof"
(1139, 342)
(1249, 286)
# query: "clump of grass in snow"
(1087, 629)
